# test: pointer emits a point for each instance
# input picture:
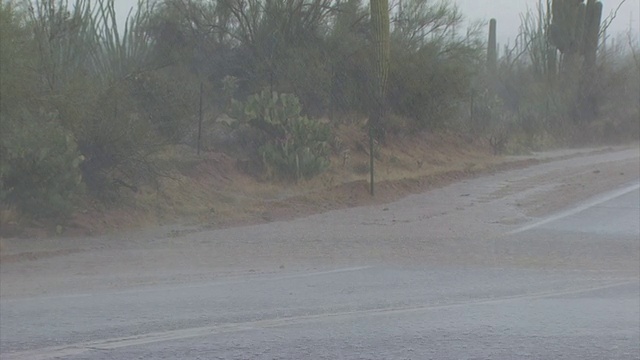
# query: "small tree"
(39, 158)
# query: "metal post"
(200, 119)
(371, 158)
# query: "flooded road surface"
(561, 285)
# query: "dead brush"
(498, 142)
(10, 220)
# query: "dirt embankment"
(462, 222)
(213, 191)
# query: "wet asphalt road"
(533, 308)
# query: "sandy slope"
(461, 219)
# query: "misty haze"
(319, 179)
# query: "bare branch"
(612, 16)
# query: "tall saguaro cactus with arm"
(575, 30)
(381, 34)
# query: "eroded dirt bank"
(453, 223)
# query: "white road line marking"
(44, 298)
(258, 278)
(122, 342)
(587, 205)
(350, 269)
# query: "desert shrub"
(169, 99)
(351, 58)
(294, 146)
(39, 158)
(427, 90)
(39, 168)
(432, 64)
(304, 71)
(618, 94)
(16, 60)
(118, 143)
(485, 109)
(350, 84)
(91, 65)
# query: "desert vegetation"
(89, 106)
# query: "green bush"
(119, 143)
(304, 71)
(427, 87)
(486, 110)
(169, 99)
(39, 168)
(433, 63)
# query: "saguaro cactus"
(492, 50)
(575, 29)
(380, 24)
(552, 51)
(565, 31)
(593, 17)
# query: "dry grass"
(10, 222)
(210, 191)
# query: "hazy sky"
(507, 13)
